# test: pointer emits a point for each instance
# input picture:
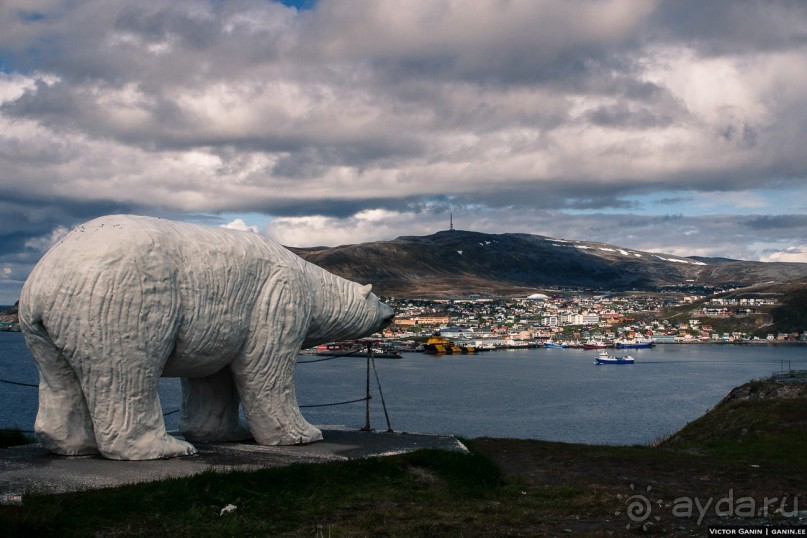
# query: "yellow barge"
(437, 345)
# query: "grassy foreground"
(745, 451)
(14, 438)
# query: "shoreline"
(734, 342)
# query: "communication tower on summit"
(451, 222)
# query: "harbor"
(542, 393)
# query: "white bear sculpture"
(123, 300)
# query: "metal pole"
(381, 393)
(367, 427)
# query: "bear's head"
(345, 310)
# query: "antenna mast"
(451, 222)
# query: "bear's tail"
(30, 317)
(36, 335)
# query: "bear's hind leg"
(63, 424)
(126, 412)
(119, 368)
(210, 409)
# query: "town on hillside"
(577, 320)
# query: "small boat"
(595, 344)
(381, 353)
(350, 349)
(334, 349)
(635, 343)
(605, 358)
(9, 327)
(554, 345)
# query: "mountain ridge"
(460, 262)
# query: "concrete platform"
(31, 468)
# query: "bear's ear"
(365, 290)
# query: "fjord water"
(549, 394)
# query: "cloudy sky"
(674, 127)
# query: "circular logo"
(639, 509)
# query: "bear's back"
(116, 239)
(124, 254)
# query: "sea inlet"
(548, 394)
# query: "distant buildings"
(541, 317)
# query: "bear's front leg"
(264, 372)
(270, 405)
(210, 409)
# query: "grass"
(503, 487)
(749, 430)
(419, 492)
(15, 437)
(424, 493)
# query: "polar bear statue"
(123, 300)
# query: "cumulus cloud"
(796, 253)
(316, 117)
(358, 99)
(43, 243)
(367, 225)
(240, 225)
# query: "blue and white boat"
(604, 358)
(634, 343)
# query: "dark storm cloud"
(168, 23)
(673, 200)
(30, 227)
(623, 116)
(728, 27)
(362, 114)
(776, 222)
